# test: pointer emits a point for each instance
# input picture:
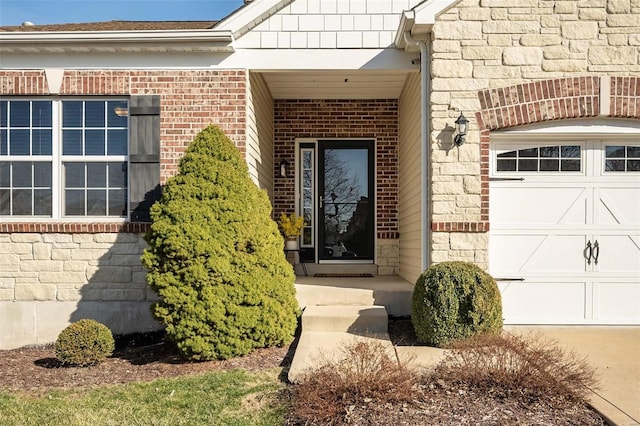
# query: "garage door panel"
(619, 254)
(539, 205)
(537, 253)
(619, 206)
(532, 302)
(618, 303)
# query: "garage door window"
(622, 158)
(554, 158)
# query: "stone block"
(521, 56)
(15, 248)
(6, 282)
(447, 187)
(41, 266)
(497, 72)
(91, 254)
(508, 3)
(614, 55)
(481, 52)
(74, 266)
(459, 84)
(452, 69)
(82, 238)
(126, 248)
(41, 251)
(468, 241)
(634, 39)
(579, 30)
(499, 40)
(7, 294)
(556, 52)
(116, 238)
(459, 169)
(564, 66)
(472, 185)
(475, 14)
(468, 201)
(618, 6)
(119, 294)
(592, 14)
(57, 238)
(125, 260)
(63, 277)
(387, 270)
(60, 254)
(458, 30)
(109, 274)
(540, 40)
(35, 292)
(446, 46)
(510, 27)
(68, 294)
(565, 7)
(26, 238)
(442, 208)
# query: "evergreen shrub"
(215, 257)
(455, 300)
(85, 342)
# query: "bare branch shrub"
(366, 374)
(529, 366)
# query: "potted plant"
(291, 226)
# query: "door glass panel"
(346, 210)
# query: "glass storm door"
(345, 200)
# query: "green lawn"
(219, 398)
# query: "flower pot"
(291, 244)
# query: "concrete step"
(392, 292)
(337, 268)
(360, 320)
(317, 348)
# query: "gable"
(327, 24)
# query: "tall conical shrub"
(215, 257)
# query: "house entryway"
(336, 196)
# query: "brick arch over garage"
(547, 100)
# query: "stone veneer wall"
(505, 64)
(332, 119)
(54, 273)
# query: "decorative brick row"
(73, 228)
(625, 97)
(539, 101)
(460, 226)
(388, 235)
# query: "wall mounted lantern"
(284, 166)
(461, 129)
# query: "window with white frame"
(63, 158)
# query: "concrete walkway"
(339, 312)
(615, 353)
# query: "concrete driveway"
(615, 353)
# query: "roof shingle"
(114, 26)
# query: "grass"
(219, 398)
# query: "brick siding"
(346, 119)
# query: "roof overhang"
(418, 22)
(117, 41)
(250, 15)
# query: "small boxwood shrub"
(85, 342)
(215, 257)
(455, 300)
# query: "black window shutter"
(144, 155)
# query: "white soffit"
(348, 84)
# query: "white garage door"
(565, 230)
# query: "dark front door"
(346, 201)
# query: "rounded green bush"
(85, 342)
(455, 300)
(215, 257)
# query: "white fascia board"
(319, 59)
(589, 126)
(251, 15)
(389, 59)
(420, 19)
(61, 41)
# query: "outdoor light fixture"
(121, 111)
(461, 130)
(284, 165)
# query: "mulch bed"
(35, 371)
